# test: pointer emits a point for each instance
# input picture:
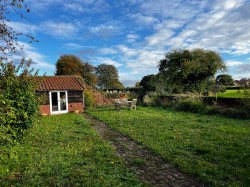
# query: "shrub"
(89, 99)
(18, 102)
(150, 99)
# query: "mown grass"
(232, 94)
(212, 148)
(63, 151)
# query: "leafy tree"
(118, 85)
(148, 83)
(224, 79)
(72, 65)
(156, 83)
(189, 70)
(88, 74)
(107, 76)
(9, 37)
(68, 65)
(19, 106)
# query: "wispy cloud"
(39, 61)
(104, 60)
(59, 29)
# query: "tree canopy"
(72, 65)
(148, 82)
(224, 79)
(190, 70)
(107, 77)
(68, 65)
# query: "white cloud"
(108, 51)
(144, 20)
(38, 60)
(24, 28)
(73, 46)
(106, 30)
(233, 63)
(59, 29)
(132, 37)
(104, 60)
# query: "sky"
(134, 35)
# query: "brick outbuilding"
(61, 94)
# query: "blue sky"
(134, 35)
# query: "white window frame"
(58, 102)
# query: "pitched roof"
(60, 83)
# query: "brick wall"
(72, 107)
(44, 110)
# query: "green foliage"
(68, 65)
(150, 99)
(18, 102)
(190, 70)
(107, 77)
(72, 65)
(89, 100)
(63, 150)
(148, 83)
(224, 79)
(212, 148)
(156, 83)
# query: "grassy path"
(63, 151)
(214, 149)
(150, 168)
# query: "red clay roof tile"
(60, 83)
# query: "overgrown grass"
(213, 148)
(232, 94)
(63, 151)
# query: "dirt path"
(151, 169)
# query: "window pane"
(63, 100)
(54, 101)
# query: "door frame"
(58, 102)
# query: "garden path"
(151, 169)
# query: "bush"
(150, 99)
(19, 106)
(89, 99)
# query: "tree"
(189, 70)
(88, 74)
(68, 65)
(148, 83)
(224, 79)
(8, 36)
(107, 76)
(72, 65)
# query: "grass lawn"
(233, 94)
(215, 149)
(63, 151)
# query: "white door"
(58, 102)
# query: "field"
(63, 151)
(212, 148)
(234, 94)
